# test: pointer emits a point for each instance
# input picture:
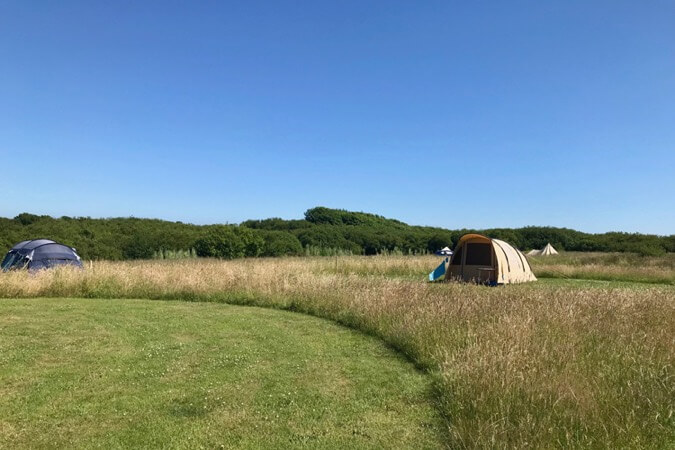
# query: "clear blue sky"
(455, 114)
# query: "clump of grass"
(175, 254)
(537, 365)
(607, 267)
(314, 250)
(666, 261)
(594, 266)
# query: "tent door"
(478, 262)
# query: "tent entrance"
(478, 262)
(474, 261)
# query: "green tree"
(220, 242)
(279, 243)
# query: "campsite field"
(584, 359)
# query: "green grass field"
(574, 361)
(137, 373)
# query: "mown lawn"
(136, 373)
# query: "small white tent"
(548, 250)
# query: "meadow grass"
(82, 373)
(560, 364)
(666, 261)
(624, 267)
(606, 266)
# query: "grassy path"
(132, 373)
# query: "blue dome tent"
(40, 254)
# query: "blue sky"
(454, 114)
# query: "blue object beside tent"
(439, 271)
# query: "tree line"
(322, 231)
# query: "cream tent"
(484, 260)
(546, 251)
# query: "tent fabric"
(30, 245)
(444, 251)
(546, 251)
(40, 254)
(485, 260)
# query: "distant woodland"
(323, 231)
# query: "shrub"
(220, 242)
(229, 242)
(439, 240)
(279, 243)
(138, 247)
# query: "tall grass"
(607, 267)
(174, 254)
(314, 250)
(593, 266)
(607, 259)
(534, 365)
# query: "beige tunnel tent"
(484, 260)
